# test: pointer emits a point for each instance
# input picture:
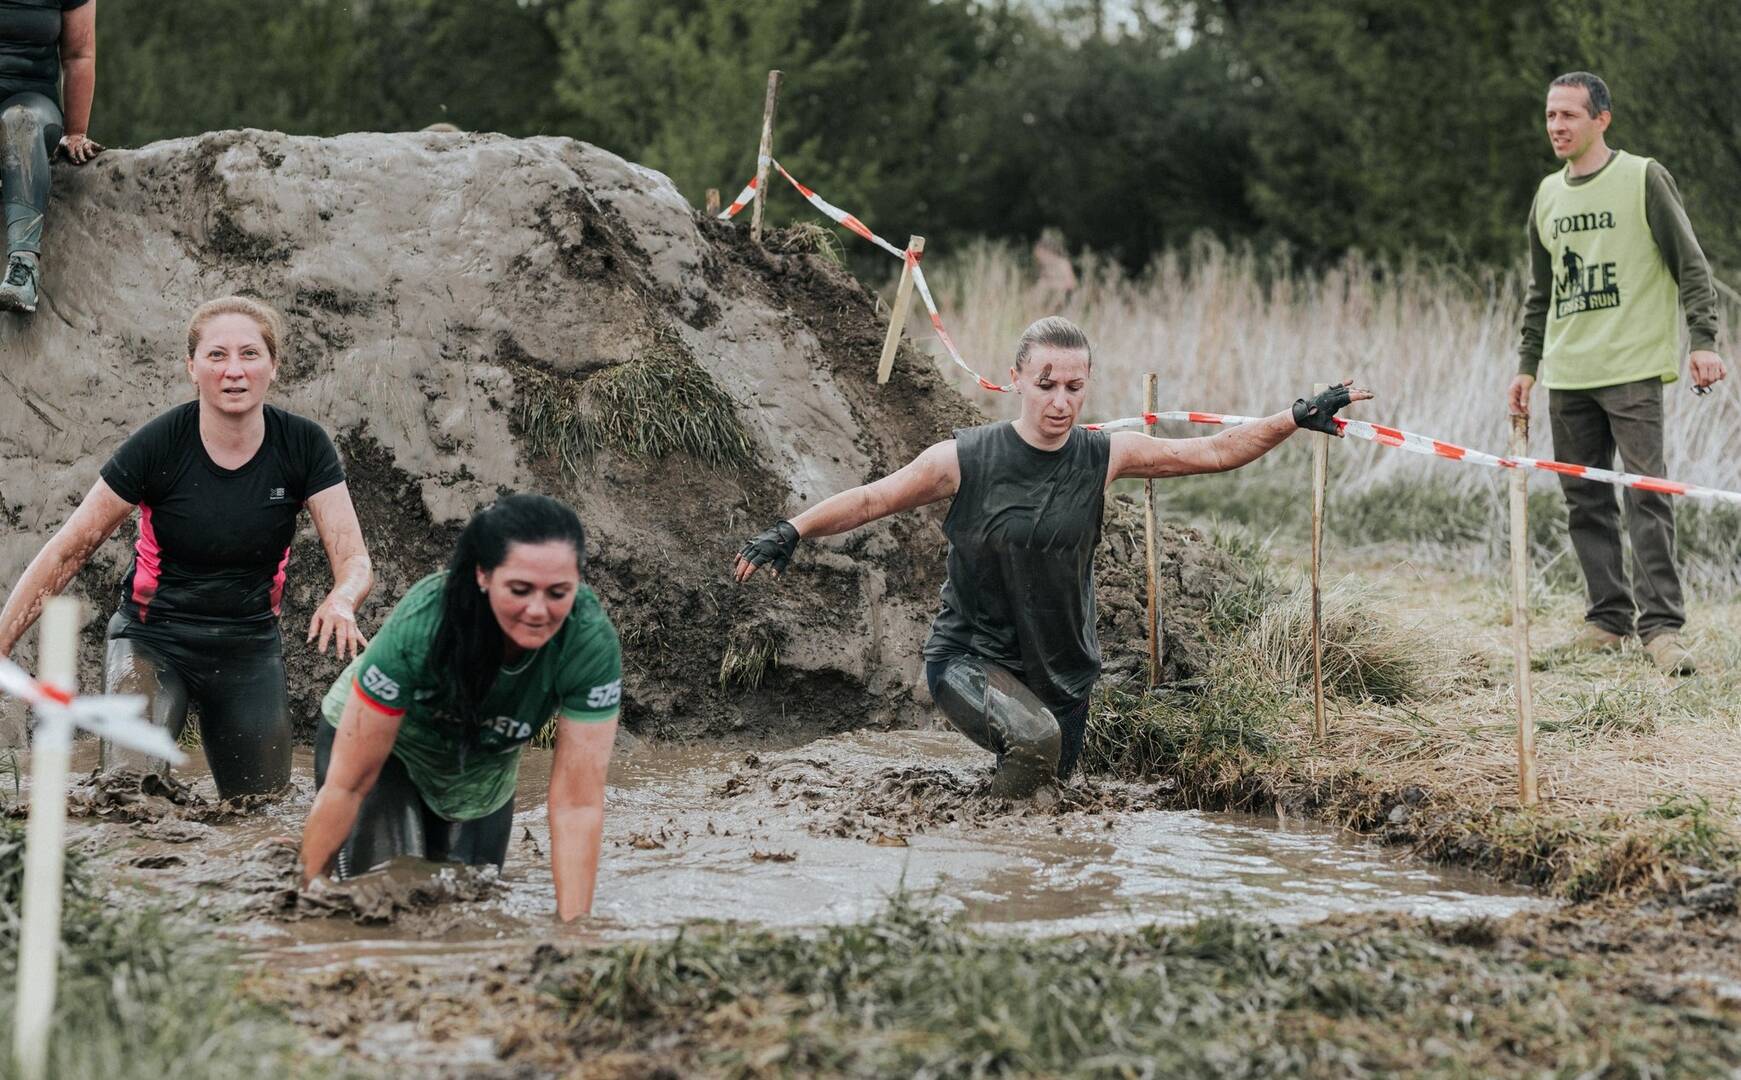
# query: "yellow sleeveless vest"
(1614, 312)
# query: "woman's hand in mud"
(772, 548)
(79, 149)
(336, 620)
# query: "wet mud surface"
(379, 968)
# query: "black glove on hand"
(1318, 413)
(773, 548)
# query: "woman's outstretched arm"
(360, 747)
(1140, 456)
(60, 560)
(931, 477)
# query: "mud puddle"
(823, 833)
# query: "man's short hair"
(1593, 85)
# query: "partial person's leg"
(1635, 416)
(991, 706)
(244, 711)
(1073, 728)
(1582, 437)
(479, 842)
(390, 821)
(134, 667)
(30, 127)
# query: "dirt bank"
(473, 314)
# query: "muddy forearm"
(576, 835)
(353, 577)
(840, 513)
(54, 566)
(1246, 443)
(329, 822)
(79, 88)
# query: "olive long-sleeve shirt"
(1673, 234)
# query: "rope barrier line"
(1431, 447)
(115, 717)
(852, 224)
(1359, 429)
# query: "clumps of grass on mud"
(139, 995)
(808, 238)
(1367, 654)
(751, 652)
(658, 404)
(912, 993)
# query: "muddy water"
(820, 834)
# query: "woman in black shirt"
(1013, 655)
(219, 482)
(40, 42)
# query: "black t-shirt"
(30, 45)
(1022, 530)
(214, 542)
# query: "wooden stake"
(764, 154)
(898, 317)
(1527, 792)
(45, 837)
(1320, 476)
(1152, 534)
(712, 202)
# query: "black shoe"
(18, 291)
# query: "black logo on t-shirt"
(1582, 286)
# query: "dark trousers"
(30, 129)
(1589, 426)
(234, 675)
(1072, 721)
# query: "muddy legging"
(394, 820)
(30, 129)
(234, 675)
(989, 705)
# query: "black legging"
(233, 673)
(394, 820)
(991, 706)
(30, 129)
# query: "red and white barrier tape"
(1422, 444)
(115, 717)
(853, 224)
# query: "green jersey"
(465, 772)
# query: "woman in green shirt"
(421, 746)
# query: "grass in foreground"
(915, 993)
(139, 995)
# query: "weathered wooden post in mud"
(1320, 477)
(1152, 534)
(712, 202)
(898, 316)
(765, 154)
(1527, 792)
(45, 845)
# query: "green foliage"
(912, 993)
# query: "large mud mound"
(475, 314)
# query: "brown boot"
(1594, 639)
(1670, 656)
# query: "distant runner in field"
(41, 41)
(1013, 655)
(421, 747)
(219, 483)
(1615, 265)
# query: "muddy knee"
(993, 708)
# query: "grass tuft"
(808, 238)
(750, 654)
(661, 403)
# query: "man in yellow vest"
(1615, 266)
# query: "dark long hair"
(469, 643)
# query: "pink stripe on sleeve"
(147, 562)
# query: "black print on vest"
(1584, 286)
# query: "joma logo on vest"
(1587, 222)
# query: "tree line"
(1401, 128)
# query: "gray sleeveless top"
(1022, 531)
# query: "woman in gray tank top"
(1012, 656)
